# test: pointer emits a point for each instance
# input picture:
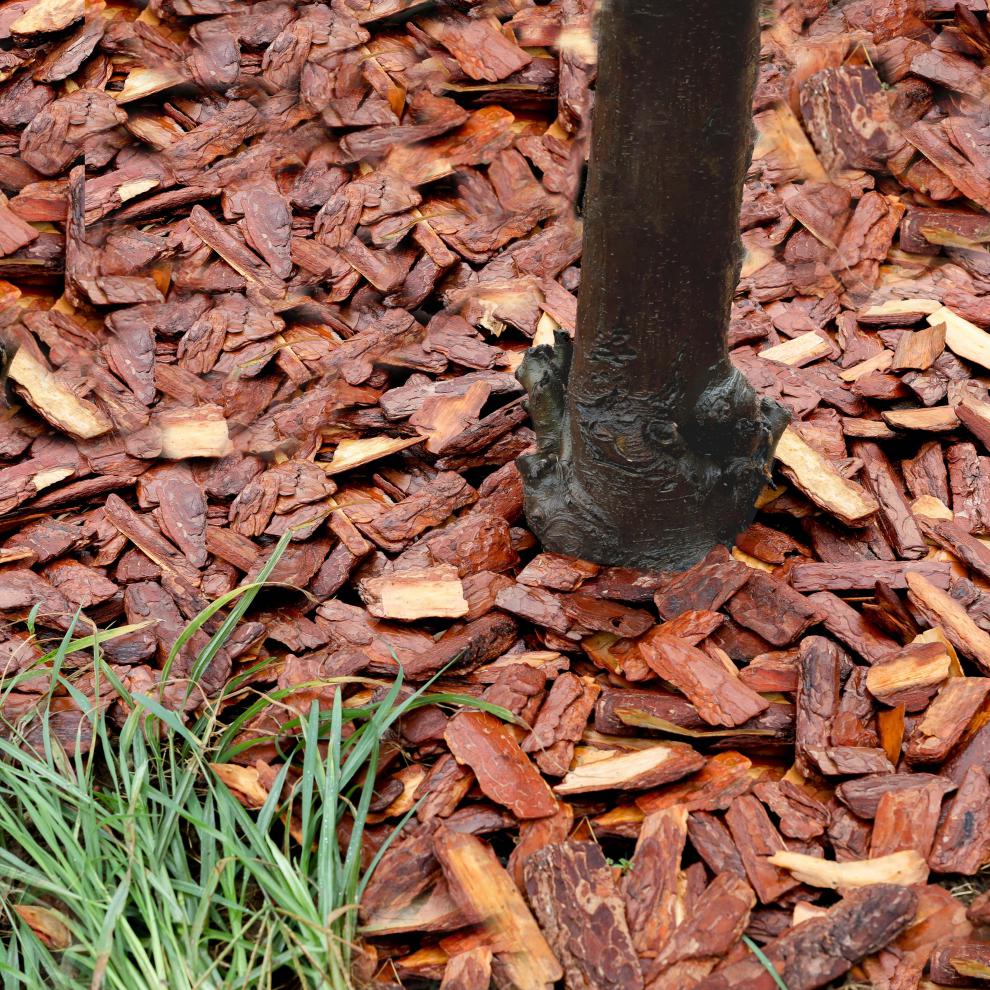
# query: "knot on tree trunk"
(644, 479)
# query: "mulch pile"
(270, 268)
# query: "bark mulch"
(270, 268)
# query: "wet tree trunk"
(651, 447)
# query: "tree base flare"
(636, 483)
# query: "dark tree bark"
(651, 447)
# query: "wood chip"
(197, 432)
(963, 338)
(942, 610)
(48, 15)
(919, 349)
(757, 839)
(817, 479)
(901, 868)
(417, 594)
(639, 770)
(54, 400)
(799, 351)
(349, 454)
(881, 361)
(937, 419)
(483, 889)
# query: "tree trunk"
(651, 447)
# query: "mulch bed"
(270, 268)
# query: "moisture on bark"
(651, 447)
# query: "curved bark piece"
(651, 447)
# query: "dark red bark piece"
(560, 723)
(504, 772)
(862, 796)
(772, 609)
(848, 626)
(707, 935)
(707, 585)
(756, 838)
(962, 843)
(946, 718)
(720, 697)
(821, 949)
(650, 889)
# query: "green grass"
(764, 962)
(156, 876)
(138, 868)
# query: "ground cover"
(270, 269)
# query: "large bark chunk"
(946, 718)
(850, 576)
(428, 507)
(819, 685)
(757, 840)
(60, 132)
(821, 949)
(652, 898)
(906, 820)
(772, 609)
(962, 844)
(862, 796)
(561, 722)
(480, 49)
(709, 584)
(573, 894)
(483, 889)
(504, 772)
(851, 628)
(895, 518)
(848, 117)
(940, 609)
(720, 697)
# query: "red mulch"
(270, 268)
